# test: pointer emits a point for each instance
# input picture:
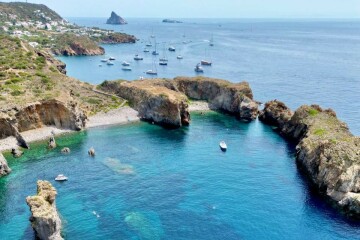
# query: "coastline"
(120, 116)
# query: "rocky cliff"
(115, 19)
(72, 45)
(153, 101)
(4, 168)
(326, 150)
(44, 218)
(234, 98)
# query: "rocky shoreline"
(326, 150)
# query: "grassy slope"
(26, 77)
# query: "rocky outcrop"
(39, 114)
(16, 153)
(4, 168)
(52, 143)
(77, 49)
(50, 113)
(61, 67)
(91, 152)
(154, 100)
(171, 21)
(44, 218)
(115, 38)
(115, 19)
(326, 150)
(234, 98)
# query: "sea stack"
(115, 19)
(44, 218)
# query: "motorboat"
(179, 57)
(138, 58)
(163, 59)
(126, 68)
(163, 63)
(206, 63)
(151, 72)
(172, 49)
(155, 53)
(198, 68)
(146, 50)
(110, 63)
(61, 177)
(125, 64)
(111, 58)
(149, 45)
(223, 146)
(104, 60)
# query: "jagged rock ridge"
(115, 19)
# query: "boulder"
(91, 152)
(4, 168)
(65, 150)
(16, 153)
(52, 143)
(44, 218)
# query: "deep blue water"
(150, 183)
(297, 61)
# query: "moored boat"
(125, 63)
(126, 68)
(223, 146)
(104, 60)
(198, 68)
(179, 57)
(110, 63)
(61, 177)
(172, 49)
(138, 58)
(151, 72)
(206, 63)
(111, 58)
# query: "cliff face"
(72, 45)
(4, 168)
(37, 115)
(114, 38)
(326, 151)
(234, 98)
(153, 102)
(115, 19)
(44, 218)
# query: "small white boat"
(163, 63)
(110, 63)
(223, 146)
(151, 72)
(125, 63)
(155, 53)
(111, 58)
(179, 57)
(163, 59)
(149, 45)
(206, 63)
(146, 50)
(126, 68)
(172, 49)
(198, 69)
(104, 60)
(61, 177)
(138, 58)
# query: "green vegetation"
(320, 132)
(313, 112)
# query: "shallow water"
(296, 61)
(181, 185)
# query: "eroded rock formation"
(326, 150)
(234, 98)
(4, 168)
(153, 101)
(44, 218)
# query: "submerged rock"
(16, 153)
(4, 168)
(147, 224)
(119, 167)
(326, 150)
(44, 218)
(115, 19)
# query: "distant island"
(115, 19)
(171, 21)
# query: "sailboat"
(155, 52)
(198, 68)
(211, 44)
(138, 58)
(163, 60)
(206, 62)
(152, 71)
(152, 33)
(149, 44)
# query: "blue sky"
(207, 8)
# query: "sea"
(147, 182)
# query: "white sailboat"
(211, 43)
(205, 62)
(152, 71)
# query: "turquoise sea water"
(147, 182)
(150, 183)
(296, 61)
